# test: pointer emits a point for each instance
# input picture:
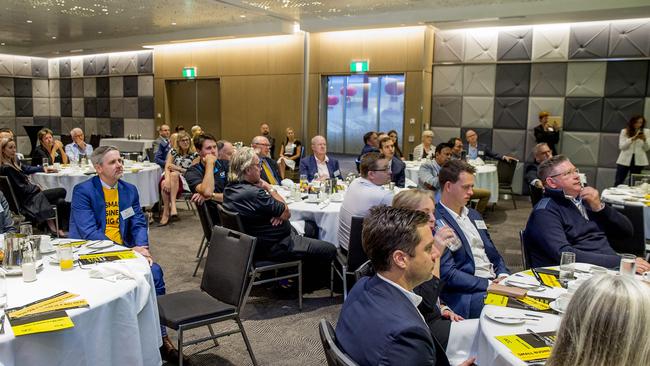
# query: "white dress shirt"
(323, 172)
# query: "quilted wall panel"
(449, 46)
(617, 111)
(646, 110)
(582, 114)
(6, 65)
(102, 87)
(90, 87)
(509, 142)
(40, 88)
(605, 178)
(515, 44)
(7, 107)
(6, 87)
(116, 107)
(90, 107)
(586, 79)
(77, 107)
(101, 65)
(481, 45)
(479, 80)
(629, 39)
(145, 86)
(65, 88)
(145, 107)
(443, 134)
(22, 66)
(54, 88)
(55, 107)
(89, 66)
(65, 68)
(117, 127)
(590, 173)
(581, 147)
(446, 111)
(626, 78)
(53, 68)
(484, 135)
(551, 43)
(66, 107)
(39, 68)
(589, 41)
(145, 63)
(76, 67)
(554, 106)
(512, 80)
(91, 126)
(77, 88)
(24, 107)
(608, 152)
(548, 79)
(8, 122)
(130, 108)
(478, 112)
(103, 108)
(23, 87)
(116, 87)
(510, 112)
(447, 80)
(41, 107)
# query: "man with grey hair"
(265, 215)
(571, 218)
(107, 208)
(163, 137)
(270, 169)
(78, 147)
(320, 163)
(226, 149)
(541, 153)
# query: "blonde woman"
(49, 148)
(290, 152)
(426, 148)
(180, 157)
(607, 323)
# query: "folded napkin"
(114, 272)
(287, 183)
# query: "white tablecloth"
(629, 196)
(327, 218)
(125, 145)
(115, 330)
(146, 180)
(486, 178)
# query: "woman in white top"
(633, 143)
(290, 152)
(426, 148)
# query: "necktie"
(269, 174)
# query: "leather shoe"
(169, 353)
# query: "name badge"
(127, 213)
(337, 173)
(480, 224)
(481, 153)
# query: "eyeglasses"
(263, 144)
(386, 169)
(569, 172)
(185, 140)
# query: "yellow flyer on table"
(528, 348)
(41, 323)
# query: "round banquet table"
(326, 218)
(125, 145)
(632, 196)
(486, 177)
(146, 180)
(121, 326)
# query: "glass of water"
(453, 243)
(628, 264)
(46, 162)
(567, 262)
(140, 159)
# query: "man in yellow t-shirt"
(112, 213)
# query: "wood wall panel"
(412, 107)
(207, 61)
(160, 102)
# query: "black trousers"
(622, 171)
(56, 196)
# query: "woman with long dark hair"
(633, 142)
(393, 136)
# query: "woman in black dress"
(35, 204)
(290, 153)
(49, 149)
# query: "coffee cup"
(563, 301)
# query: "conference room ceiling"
(62, 27)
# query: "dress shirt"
(322, 167)
(580, 207)
(73, 151)
(482, 266)
(414, 298)
(472, 151)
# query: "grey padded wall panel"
(590, 173)
(586, 79)
(589, 41)
(646, 110)
(608, 152)
(90, 87)
(55, 107)
(40, 88)
(442, 134)
(515, 44)
(89, 66)
(617, 111)
(145, 107)
(65, 68)
(582, 114)
(447, 80)
(90, 107)
(55, 125)
(117, 127)
(77, 107)
(512, 80)
(24, 107)
(41, 107)
(509, 142)
(626, 78)
(484, 135)
(548, 79)
(39, 67)
(116, 87)
(130, 108)
(91, 126)
(116, 107)
(446, 111)
(481, 45)
(145, 63)
(76, 67)
(629, 38)
(103, 86)
(8, 122)
(22, 66)
(449, 46)
(23, 87)
(103, 108)
(6, 65)
(7, 107)
(101, 65)
(77, 88)
(605, 179)
(479, 80)
(145, 86)
(478, 112)
(551, 43)
(581, 147)
(53, 68)
(54, 87)
(130, 84)
(6, 87)
(123, 63)
(66, 107)
(65, 88)
(510, 112)
(554, 106)
(104, 126)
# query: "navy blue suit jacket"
(308, 167)
(366, 149)
(398, 171)
(275, 170)
(378, 325)
(463, 289)
(486, 151)
(88, 213)
(160, 156)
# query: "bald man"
(78, 148)
(270, 169)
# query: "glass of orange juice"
(64, 253)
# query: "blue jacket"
(398, 172)
(308, 167)
(160, 156)
(88, 213)
(366, 149)
(378, 325)
(463, 292)
(556, 226)
(483, 151)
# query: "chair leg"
(344, 277)
(200, 246)
(248, 291)
(248, 344)
(332, 279)
(300, 285)
(512, 196)
(180, 346)
(198, 264)
(214, 339)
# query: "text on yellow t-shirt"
(112, 215)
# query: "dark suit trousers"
(56, 196)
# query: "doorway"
(193, 102)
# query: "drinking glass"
(140, 159)
(628, 264)
(64, 253)
(26, 229)
(46, 162)
(567, 262)
(303, 182)
(453, 243)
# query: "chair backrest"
(334, 355)
(356, 255)
(230, 220)
(364, 270)
(536, 194)
(525, 256)
(636, 244)
(150, 154)
(506, 171)
(94, 140)
(228, 264)
(66, 139)
(206, 220)
(8, 191)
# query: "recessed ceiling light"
(99, 32)
(2, 44)
(53, 37)
(243, 16)
(173, 23)
(29, 21)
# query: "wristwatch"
(271, 190)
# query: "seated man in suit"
(160, 154)
(468, 271)
(320, 163)
(457, 152)
(571, 218)
(270, 169)
(396, 165)
(370, 143)
(107, 208)
(428, 172)
(476, 150)
(163, 137)
(380, 323)
(541, 153)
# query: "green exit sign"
(359, 66)
(189, 72)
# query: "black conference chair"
(351, 259)
(206, 226)
(525, 256)
(150, 154)
(536, 194)
(636, 244)
(366, 269)
(505, 172)
(232, 221)
(334, 355)
(221, 297)
(14, 205)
